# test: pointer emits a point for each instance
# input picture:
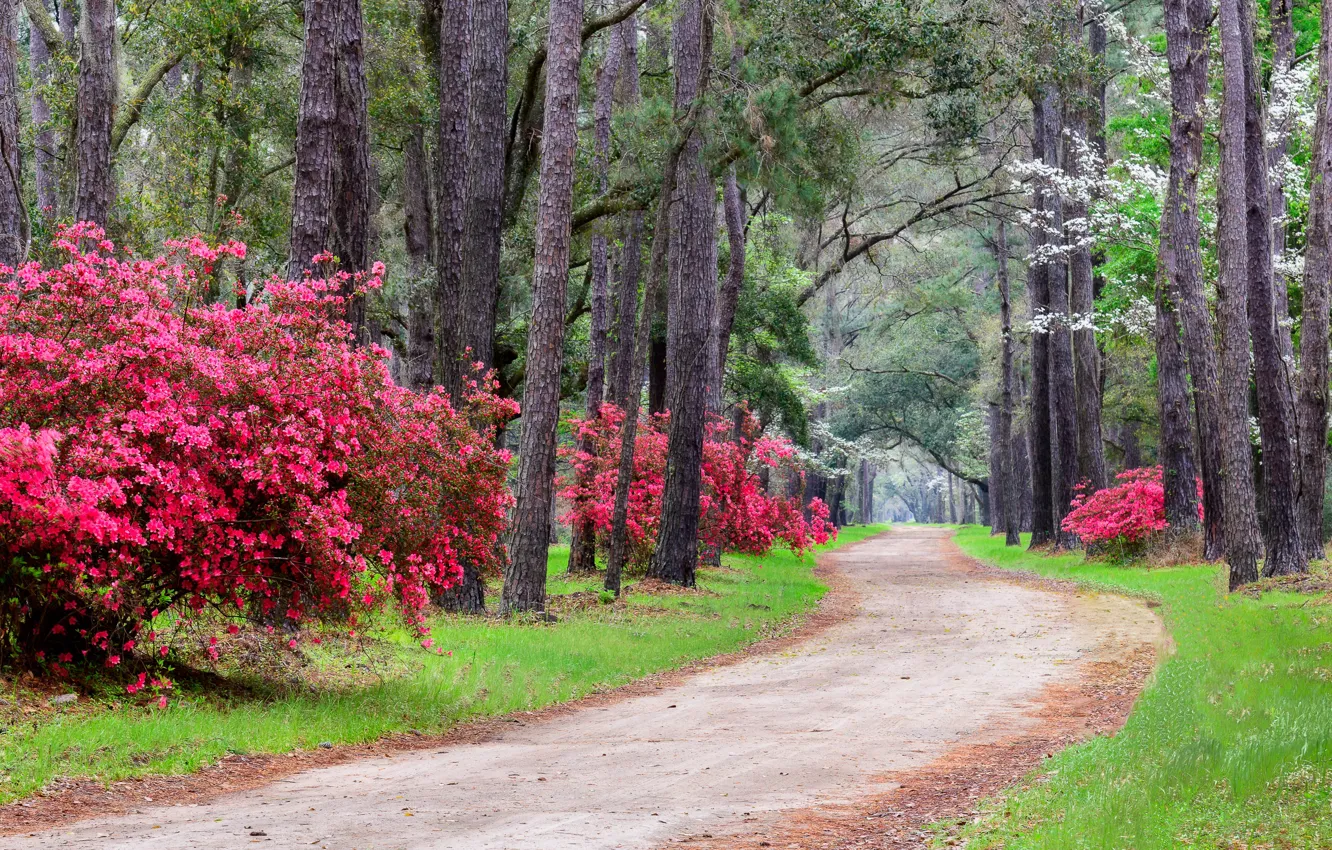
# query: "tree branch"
(132, 109)
(41, 21)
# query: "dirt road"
(934, 656)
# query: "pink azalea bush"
(736, 513)
(1122, 518)
(159, 454)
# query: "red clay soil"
(66, 801)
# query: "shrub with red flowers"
(737, 514)
(163, 455)
(1122, 518)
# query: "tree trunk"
(47, 147)
(1187, 25)
(583, 546)
(1063, 395)
(1241, 519)
(1179, 475)
(331, 197)
(733, 202)
(996, 464)
(1273, 373)
(351, 190)
(13, 214)
(449, 364)
(313, 187)
(1283, 55)
(95, 189)
(1086, 356)
(525, 580)
(423, 310)
(619, 545)
(1007, 519)
(691, 311)
(1312, 411)
(484, 203)
(630, 255)
(1038, 293)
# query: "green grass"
(1230, 745)
(496, 667)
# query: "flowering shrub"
(159, 454)
(736, 513)
(1124, 516)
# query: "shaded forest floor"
(343, 692)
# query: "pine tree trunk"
(448, 361)
(13, 214)
(1273, 373)
(1007, 518)
(315, 151)
(487, 125)
(1312, 411)
(525, 580)
(1179, 475)
(1283, 55)
(422, 311)
(1063, 395)
(1232, 311)
(47, 148)
(996, 464)
(691, 311)
(619, 544)
(1038, 293)
(733, 202)
(1086, 356)
(1187, 25)
(94, 193)
(630, 255)
(350, 236)
(583, 546)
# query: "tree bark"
(331, 196)
(1273, 372)
(691, 312)
(13, 214)
(583, 546)
(46, 168)
(1063, 394)
(998, 485)
(630, 255)
(619, 545)
(1179, 476)
(1187, 25)
(94, 193)
(1039, 431)
(1283, 55)
(1312, 411)
(733, 202)
(1241, 519)
(1086, 356)
(450, 365)
(1007, 520)
(525, 580)
(486, 124)
(423, 311)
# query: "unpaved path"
(934, 656)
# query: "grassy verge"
(494, 667)
(1229, 747)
